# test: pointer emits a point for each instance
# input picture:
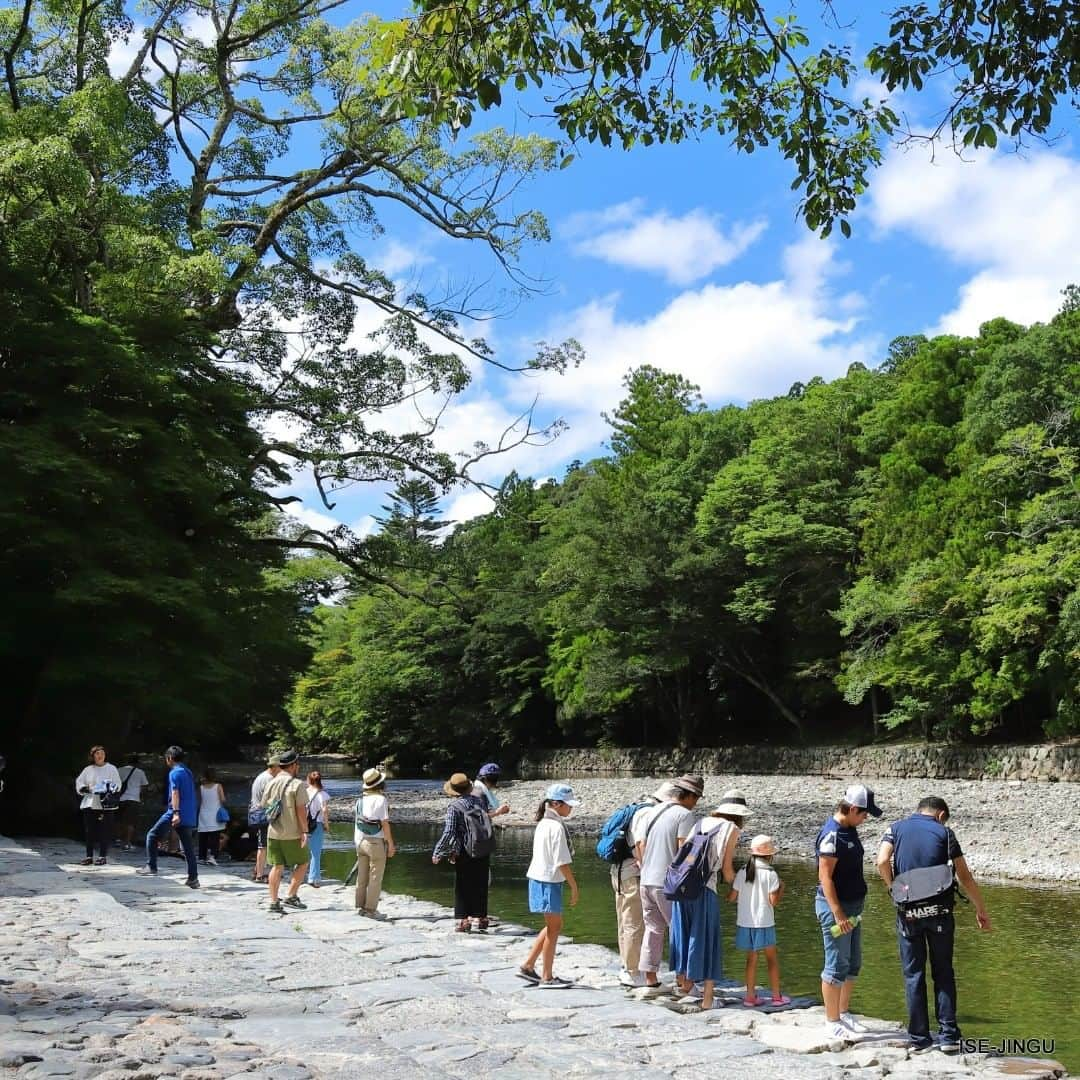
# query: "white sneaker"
(852, 1024)
(835, 1030)
(628, 978)
(211, 860)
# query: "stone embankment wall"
(1054, 762)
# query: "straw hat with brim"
(458, 784)
(373, 779)
(763, 845)
(733, 803)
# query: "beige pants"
(628, 915)
(370, 865)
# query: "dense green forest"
(896, 550)
(190, 192)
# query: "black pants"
(471, 886)
(209, 844)
(98, 826)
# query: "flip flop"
(753, 1002)
(781, 1000)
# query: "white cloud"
(684, 249)
(737, 342)
(395, 258)
(1012, 219)
(313, 519)
(467, 505)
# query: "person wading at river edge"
(660, 833)
(920, 861)
(839, 900)
(285, 800)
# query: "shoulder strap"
(655, 818)
(123, 786)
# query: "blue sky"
(690, 258)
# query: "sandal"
(528, 974)
(482, 925)
(752, 1002)
(463, 927)
(86, 862)
(780, 999)
(99, 862)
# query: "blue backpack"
(614, 845)
(690, 869)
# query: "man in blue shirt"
(918, 860)
(181, 813)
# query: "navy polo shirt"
(842, 843)
(921, 841)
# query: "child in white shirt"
(757, 888)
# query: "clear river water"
(1021, 980)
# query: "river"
(1022, 980)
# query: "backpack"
(614, 845)
(479, 833)
(691, 867)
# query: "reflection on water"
(1020, 981)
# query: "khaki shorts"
(285, 852)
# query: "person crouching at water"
(550, 867)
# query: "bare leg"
(551, 939)
(298, 875)
(845, 997)
(275, 880)
(830, 995)
(536, 950)
(707, 994)
(774, 969)
(751, 974)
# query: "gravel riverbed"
(1020, 830)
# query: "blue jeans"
(159, 830)
(843, 954)
(917, 939)
(315, 845)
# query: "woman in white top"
(318, 809)
(211, 800)
(97, 779)
(374, 843)
(550, 867)
(695, 942)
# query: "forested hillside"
(896, 550)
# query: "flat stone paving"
(111, 975)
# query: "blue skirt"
(695, 938)
(753, 938)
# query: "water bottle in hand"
(835, 928)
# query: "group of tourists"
(669, 868)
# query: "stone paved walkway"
(111, 975)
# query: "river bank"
(120, 977)
(1014, 830)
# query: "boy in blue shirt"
(181, 813)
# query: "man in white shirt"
(257, 822)
(132, 782)
(658, 834)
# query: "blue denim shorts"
(843, 954)
(545, 897)
(754, 938)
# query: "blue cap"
(490, 769)
(562, 793)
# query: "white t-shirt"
(721, 830)
(754, 909)
(135, 783)
(485, 793)
(316, 803)
(672, 821)
(99, 779)
(372, 808)
(551, 849)
(258, 789)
